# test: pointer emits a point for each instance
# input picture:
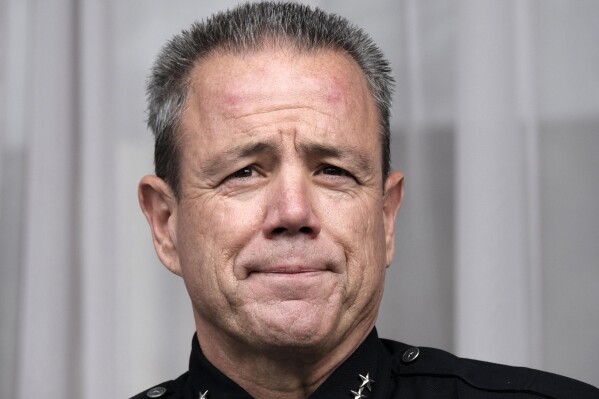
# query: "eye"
(247, 178)
(243, 173)
(334, 171)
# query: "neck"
(281, 373)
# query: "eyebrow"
(310, 149)
(214, 165)
(352, 154)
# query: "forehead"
(240, 94)
(242, 75)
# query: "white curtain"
(496, 126)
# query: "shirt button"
(410, 354)
(156, 392)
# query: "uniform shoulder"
(167, 390)
(438, 365)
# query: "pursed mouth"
(286, 260)
(290, 270)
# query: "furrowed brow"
(351, 154)
(215, 164)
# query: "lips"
(300, 268)
(288, 259)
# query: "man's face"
(283, 231)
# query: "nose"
(290, 210)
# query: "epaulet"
(410, 361)
(166, 390)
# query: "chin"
(296, 326)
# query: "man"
(274, 202)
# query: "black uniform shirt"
(384, 369)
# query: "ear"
(392, 199)
(159, 205)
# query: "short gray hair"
(249, 27)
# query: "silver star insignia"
(203, 395)
(358, 395)
(366, 381)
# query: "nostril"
(279, 230)
(282, 230)
(306, 230)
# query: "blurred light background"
(496, 126)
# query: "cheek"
(239, 224)
(358, 222)
(358, 227)
(214, 227)
(195, 245)
(366, 272)
(209, 237)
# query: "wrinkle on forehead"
(273, 109)
(249, 87)
(239, 98)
